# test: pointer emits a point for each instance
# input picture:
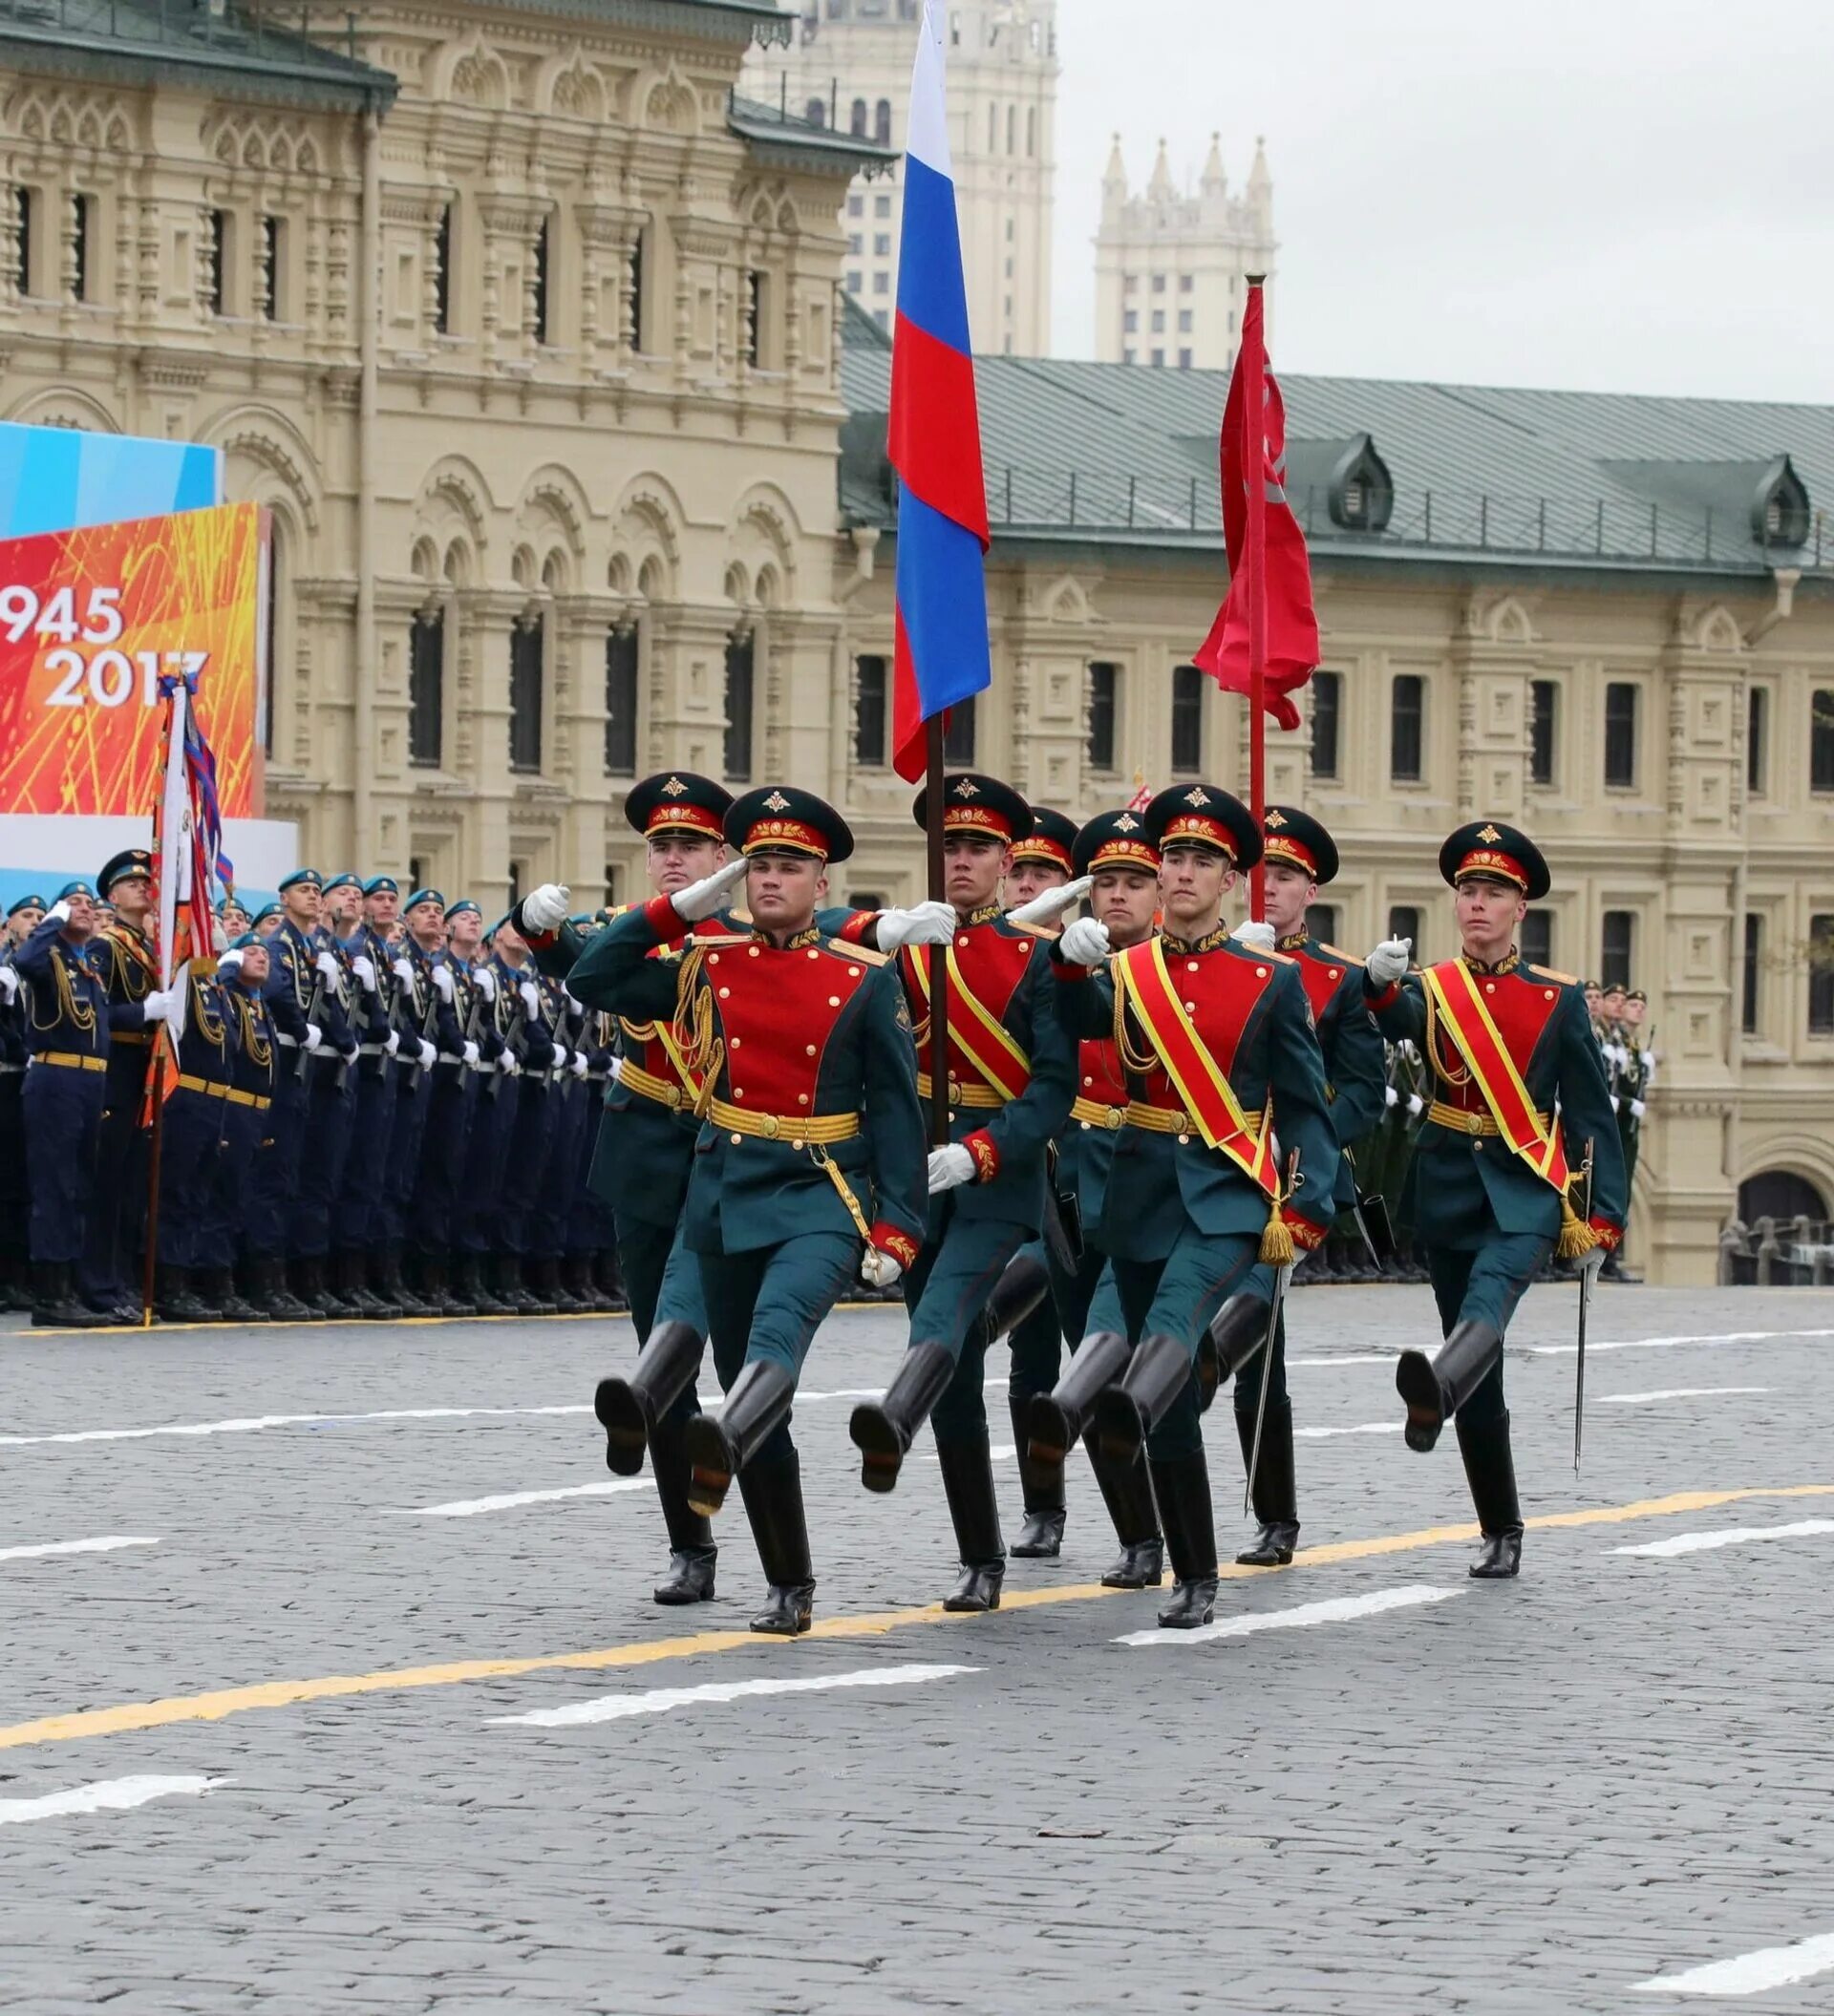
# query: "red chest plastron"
(1099, 1074)
(992, 964)
(1520, 1004)
(1320, 975)
(776, 1011)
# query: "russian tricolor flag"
(936, 436)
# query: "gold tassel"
(1276, 1242)
(1577, 1237)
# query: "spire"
(1114, 180)
(1215, 181)
(1260, 182)
(1161, 188)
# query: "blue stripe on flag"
(942, 598)
(931, 289)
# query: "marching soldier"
(1300, 858)
(67, 1040)
(1010, 1072)
(1632, 1103)
(23, 917)
(122, 954)
(1519, 1103)
(361, 1224)
(1220, 1057)
(810, 1163)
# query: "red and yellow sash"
(1203, 1086)
(979, 1035)
(1452, 995)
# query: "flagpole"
(938, 954)
(1255, 460)
(165, 925)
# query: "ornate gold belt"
(799, 1130)
(1459, 1121)
(983, 1098)
(648, 1086)
(1160, 1119)
(71, 1060)
(1092, 1114)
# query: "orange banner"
(89, 620)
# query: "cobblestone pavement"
(1535, 1796)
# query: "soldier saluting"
(1519, 1099)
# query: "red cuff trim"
(663, 920)
(889, 1238)
(540, 941)
(1306, 1236)
(987, 1158)
(1386, 999)
(858, 930)
(1065, 970)
(1609, 1236)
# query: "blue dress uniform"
(1356, 1074)
(1519, 1094)
(253, 1067)
(111, 1272)
(16, 1194)
(191, 1135)
(531, 1125)
(552, 1211)
(431, 1218)
(1217, 1049)
(1010, 1069)
(424, 1021)
(67, 1038)
(329, 1111)
(591, 1262)
(812, 1151)
(360, 1225)
(485, 1271)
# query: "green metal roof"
(248, 48)
(1128, 454)
(801, 144)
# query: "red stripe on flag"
(934, 438)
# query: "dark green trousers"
(946, 1292)
(1484, 1283)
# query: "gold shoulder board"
(1567, 980)
(1350, 959)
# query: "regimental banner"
(90, 618)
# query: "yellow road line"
(215, 1706)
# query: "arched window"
(882, 122)
(858, 123)
(816, 112)
(527, 655)
(427, 689)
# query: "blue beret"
(341, 882)
(247, 939)
(77, 888)
(381, 886)
(459, 909)
(308, 877)
(262, 915)
(424, 896)
(29, 902)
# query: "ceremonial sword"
(1584, 1300)
(1282, 1275)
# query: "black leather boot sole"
(627, 1433)
(1418, 1387)
(883, 1431)
(712, 1465)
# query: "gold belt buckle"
(1474, 1123)
(1116, 1115)
(771, 1127)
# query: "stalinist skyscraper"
(1172, 268)
(851, 67)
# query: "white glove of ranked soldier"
(879, 1270)
(327, 965)
(926, 923)
(1083, 943)
(485, 982)
(443, 980)
(1389, 962)
(59, 912)
(580, 1064)
(364, 968)
(230, 964)
(531, 996)
(1254, 932)
(393, 1046)
(429, 1056)
(9, 984)
(314, 1036)
(700, 900)
(158, 1004)
(558, 1061)
(471, 1053)
(546, 909)
(949, 1167)
(509, 1065)
(1047, 908)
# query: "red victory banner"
(92, 620)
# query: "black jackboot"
(967, 1483)
(354, 1288)
(718, 1448)
(537, 1285)
(307, 1274)
(1436, 1388)
(1054, 1421)
(174, 1300)
(219, 1292)
(1490, 1471)
(629, 1408)
(1016, 1294)
(774, 1504)
(1182, 1485)
(395, 1287)
(509, 1288)
(472, 1287)
(554, 1288)
(384, 1284)
(883, 1431)
(1127, 1492)
(1237, 1331)
(691, 1553)
(1276, 1504)
(437, 1288)
(1127, 1413)
(1041, 1535)
(58, 1306)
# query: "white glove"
(394, 1044)
(1590, 1263)
(158, 1005)
(1047, 908)
(428, 1055)
(471, 1053)
(327, 965)
(531, 996)
(1416, 1105)
(879, 1270)
(949, 1167)
(485, 982)
(509, 1065)
(230, 964)
(59, 912)
(546, 909)
(443, 980)
(616, 1068)
(700, 900)
(1613, 1102)
(921, 924)
(580, 1064)
(314, 1036)
(365, 971)
(1389, 1096)
(1084, 942)
(8, 982)
(558, 1061)
(1256, 933)
(402, 971)
(1388, 963)
(1637, 1108)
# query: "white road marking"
(109, 1795)
(1663, 1344)
(999, 1453)
(507, 1501)
(1340, 1609)
(659, 1701)
(105, 1545)
(1750, 1973)
(254, 1422)
(1679, 1393)
(1365, 1428)
(1727, 1537)
(1347, 1358)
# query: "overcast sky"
(1607, 195)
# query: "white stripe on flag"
(927, 138)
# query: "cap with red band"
(678, 802)
(1488, 848)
